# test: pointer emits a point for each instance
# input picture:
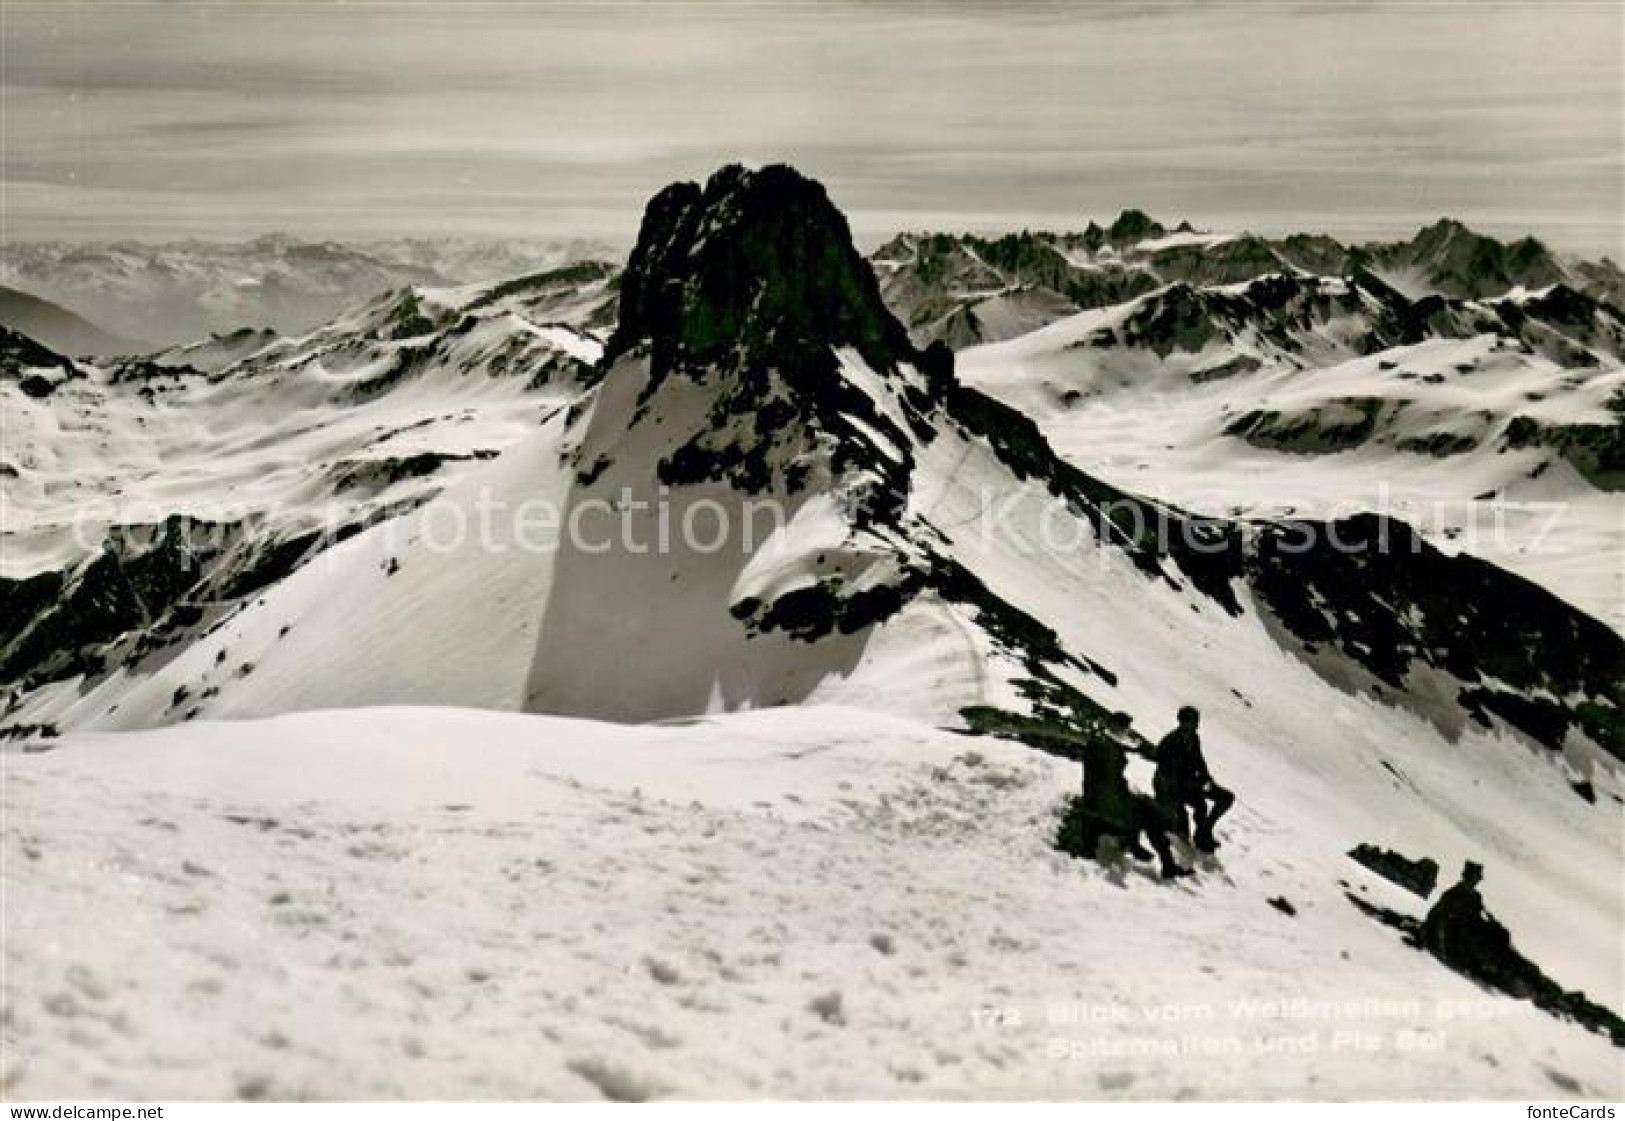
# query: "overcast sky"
(158, 120)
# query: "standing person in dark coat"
(1111, 808)
(1185, 788)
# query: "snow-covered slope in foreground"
(808, 902)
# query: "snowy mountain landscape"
(667, 678)
(169, 293)
(865, 553)
(966, 289)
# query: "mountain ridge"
(58, 327)
(945, 285)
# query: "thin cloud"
(237, 117)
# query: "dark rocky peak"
(947, 260)
(1177, 318)
(1281, 308)
(757, 268)
(1567, 326)
(1028, 257)
(1527, 255)
(899, 250)
(1134, 225)
(1432, 239)
(746, 288)
(1461, 262)
(1562, 305)
(1130, 226)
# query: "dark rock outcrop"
(1132, 226)
(1372, 590)
(151, 587)
(756, 268)
(749, 285)
(20, 354)
(1596, 451)
(1419, 877)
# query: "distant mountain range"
(966, 289)
(181, 291)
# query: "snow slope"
(317, 429)
(1473, 437)
(811, 902)
(143, 499)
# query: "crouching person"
(1109, 807)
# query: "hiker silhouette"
(1184, 787)
(1460, 931)
(1108, 806)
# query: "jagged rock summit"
(750, 289)
(1461, 262)
(755, 267)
